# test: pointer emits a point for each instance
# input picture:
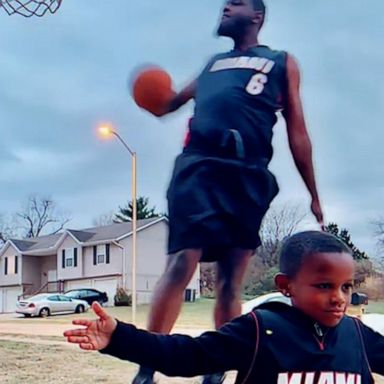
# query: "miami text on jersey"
(320, 378)
(260, 64)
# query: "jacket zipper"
(321, 335)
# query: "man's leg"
(231, 269)
(230, 273)
(169, 292)
(168, 298)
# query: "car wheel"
(44, 312)
(79, 309)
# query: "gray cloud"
(63, 74)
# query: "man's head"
(241, 17)
(317, 272)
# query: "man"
(221, 187)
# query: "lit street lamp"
(107, 131)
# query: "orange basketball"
(152, 90)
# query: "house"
(99, 257)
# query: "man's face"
(323, 286)
(237, 16)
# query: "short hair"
(258, 5)
(296, 247)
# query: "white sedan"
(268, 297)
(45, 304)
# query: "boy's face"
(323, 286)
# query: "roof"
(49, 243)
(113, 231)
(23, 245)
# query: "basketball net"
(28, 8)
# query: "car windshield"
(72, 294)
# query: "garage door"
(9, 298)
(103, 285)
(109, 286)
(77, 284)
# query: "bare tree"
(41, 214)
(378, 259)
(379, 232)
(280, 222)
(104, 219)
(8, 229)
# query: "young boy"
(310, 342)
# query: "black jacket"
(274, 344)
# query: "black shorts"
(217, 203)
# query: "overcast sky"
(63, 74)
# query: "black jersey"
(274, 345)
(221, 187)
(239, 91)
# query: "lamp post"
(107, 131)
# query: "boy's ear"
(282, 282)
(258, 17)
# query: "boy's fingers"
(84, 322)
(87, 346)
(78, 339)
(76, 332)
(99, 311)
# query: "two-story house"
(99, 257)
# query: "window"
(11, 265)
(64, 298)
(101, 254)
(69, 257)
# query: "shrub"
(122, 298)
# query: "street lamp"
(107, 131)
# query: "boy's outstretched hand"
(97, 333)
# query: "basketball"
(152, 90)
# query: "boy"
(312, 342)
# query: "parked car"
(45, 304)
(88, 294)
(268, 297)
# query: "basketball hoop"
(28, 8)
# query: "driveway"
(13, 324)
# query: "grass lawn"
(375, 307)
(46, 359)
(46, 364)
(43, 359)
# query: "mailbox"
(359, 298)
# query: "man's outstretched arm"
(299, 141)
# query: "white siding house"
(99, 257)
